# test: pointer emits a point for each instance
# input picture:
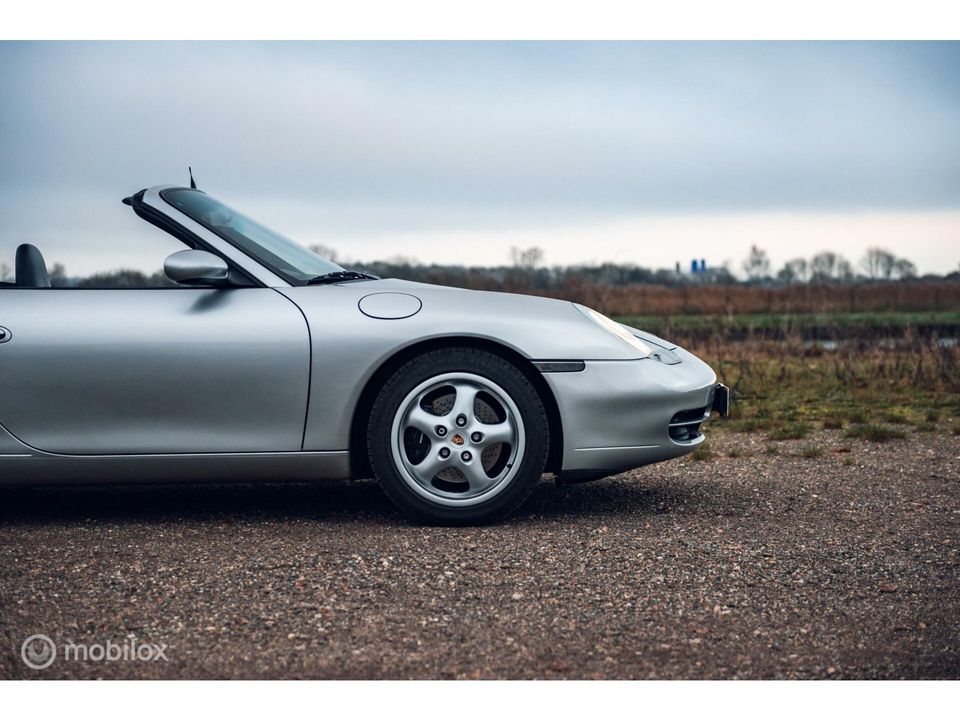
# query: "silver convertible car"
(264, 361)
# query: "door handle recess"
(5, 334)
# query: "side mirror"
(197, 267)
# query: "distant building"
(698, 268)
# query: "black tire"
(478, 362)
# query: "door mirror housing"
(197, 267)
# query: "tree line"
(829, 267)
(526, 271)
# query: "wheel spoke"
(497, 433)
(422, 420)
(475, 474)
(465, 400)
(429, 467)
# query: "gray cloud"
(363, 137)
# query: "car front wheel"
(458, 436)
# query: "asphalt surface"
(839, 566)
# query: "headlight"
(615, 328)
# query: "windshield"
(290, 260)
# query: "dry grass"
(732, 300)
(701, 453)
(875, 433)
(790, 431)
(877, 389)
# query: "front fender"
(348, 346)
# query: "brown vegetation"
(878, 390)
(740, 299)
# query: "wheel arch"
(359, 460)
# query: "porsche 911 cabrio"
(263, 361)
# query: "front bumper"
(617, 415)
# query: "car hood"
(406, 312)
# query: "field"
(614, 289)
(878, 376)
(729, 300)
(857, 325)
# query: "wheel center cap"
(458, 439)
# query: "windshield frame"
(263, 259)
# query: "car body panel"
(154, 371)
(349, 346)
(11, 447)
(28, 466)
(616, 414)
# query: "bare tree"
(823, 266)
(845, 271)
(878, 263)
(757, 264)
(793, 271)
(115, 279)
(526, 258)
(405, 260)
(324, 251)
(904, 269)
(58, 275)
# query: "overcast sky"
(453, 152)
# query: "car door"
(139, 371)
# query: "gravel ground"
(755, 566)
